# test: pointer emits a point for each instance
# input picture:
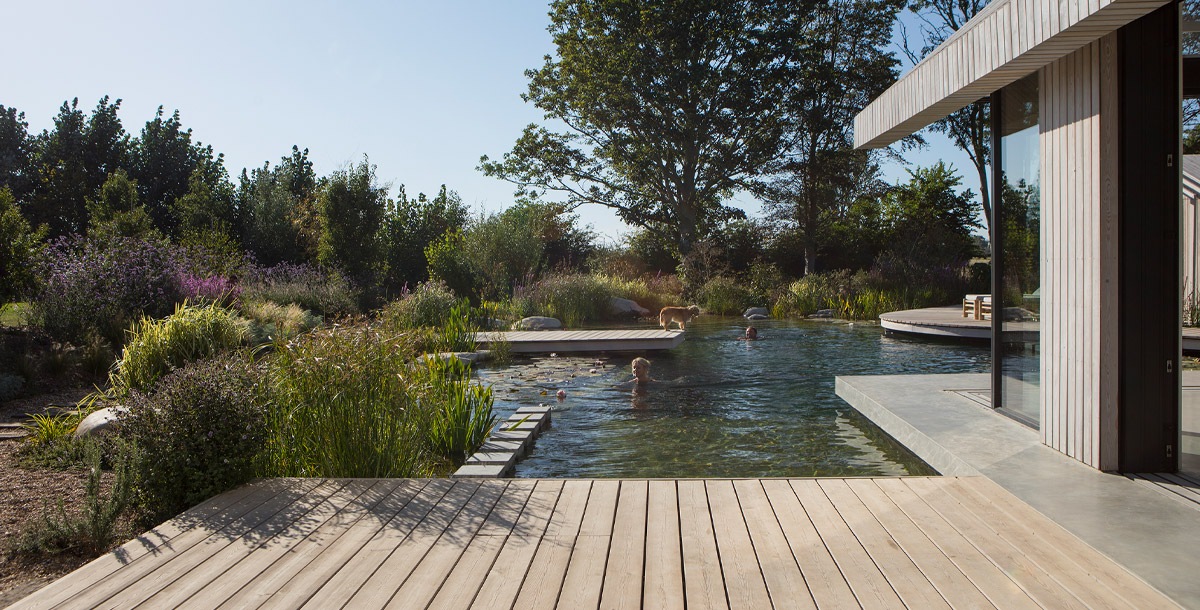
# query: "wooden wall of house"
(1075, 223)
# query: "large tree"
(16, 153)
(669, 106)
(843, 67)
(351, 208)
(970, 127)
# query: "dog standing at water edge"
(680, 315)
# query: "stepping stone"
(490, 458)
(497, 446)
(483, 471)
(525, 437)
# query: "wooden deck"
(563, 341)
(747, 543)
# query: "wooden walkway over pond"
(745, 543)
(591, 341)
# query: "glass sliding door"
(1016, 308)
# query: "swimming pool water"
(720, 407)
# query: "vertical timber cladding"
(1149, 287)
(1071, 240)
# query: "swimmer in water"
(641, 370)
(751, 334)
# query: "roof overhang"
(1003, 43)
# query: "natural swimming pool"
(721, 407)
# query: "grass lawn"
(14, 314)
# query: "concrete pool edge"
(1143, 530)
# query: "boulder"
(100, 422)
(824, 313)
(537, 323)
(757, 316)
(756, 311)
(627, 308)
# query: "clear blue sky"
(423, 88)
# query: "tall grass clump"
(339, 405)
(274, 322)
(155, 347)
(326, 292)
(571, 298)
(458, 411)
(198, 434)
(867, 294)
(725, 296)
(428, 305)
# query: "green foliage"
(427, 306)
(672, 105)
(116, 212)
(460, 415)
(20, 249)
(725, 296)
(199, 433)
(46, 429)
(351, 210)
(165, 159)
(339, 405)
(17, 171)
(410, 226)
(155, 347)
(448, 265)
(510, 247)
(276, 225)
(864, 295)
(928, 222)
(95, 527)
(571, 298)
(271, 322)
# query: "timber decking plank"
(988, 577)
(543, 581)
(496, 585)
(208, 583)
(137, 578)
(1039, 585)
(824, 579)
(869, 584)
(744, 582)
(212, 514)
(990, 496)
(427, 576)
(785, 583)
(902, 573)
(955, 587)
(627, 552)
(663, 583)
(397, 545)
(465, 578)
(581, 588)
(324, 566)
(704, 585)
(300, 556)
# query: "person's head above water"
(641, 369)
(751, 332)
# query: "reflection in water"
(724, 408)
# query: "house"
(1085, 100)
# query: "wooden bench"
(977, 305)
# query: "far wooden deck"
(745, 543)
(592, 341)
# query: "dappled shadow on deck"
(660, 543)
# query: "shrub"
(10, 386)
(157, 346)
(724, 296)
(208, 289)
(865, 295)
(198, 434)
(94, 528)
(573, 299)
(429, 305)
(327, 293)
(272, 321)
(99, 285)
(339, 405)
(20, 248)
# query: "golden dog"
(680, 315)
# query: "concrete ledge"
(493, 458)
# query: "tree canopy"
(669, 106)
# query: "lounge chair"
(977, 305)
